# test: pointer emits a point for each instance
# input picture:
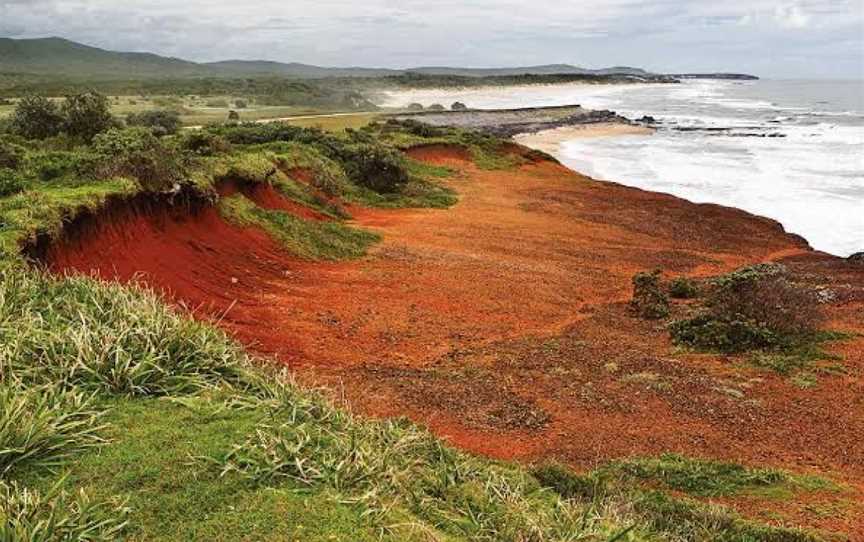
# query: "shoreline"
(550, 141)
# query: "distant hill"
(59, 56)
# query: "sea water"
(789, 150)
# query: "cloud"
(791, 16)
(673, 35)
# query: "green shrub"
(683, 288)
(376, 167)
(204, 143)
(233, 116)
(137, 153)
(11, 155)
(752, 308)
(649, 300)
(36, 117)
(241, 104)
(707, 332)
(162, 122)
(11, 182)
(31, 515)
(87, 114)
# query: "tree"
(233, 116)
(161, 122)
(36, 117)
(86, 115)
(458, 106)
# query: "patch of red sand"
(502, 325)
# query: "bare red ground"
(502, 325)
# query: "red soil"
(502, 323)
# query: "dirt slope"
(501, 323)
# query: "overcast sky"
(773, 38)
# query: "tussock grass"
(42, 427)
(34, 516)
(80, 334)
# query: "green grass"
(304, 238)
(201, 442)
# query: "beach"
(550, 141)
(788, 150)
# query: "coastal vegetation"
(124, 416)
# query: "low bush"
(204, 143)
(752, 308)
(11, 182)
(36, 117)
(683, 288)
(137, 153)
(11, 155)
(162, 122)
(649, 300)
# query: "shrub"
(377, 167)
(415, 107)
(725, 335)
(36, 117)
(137, 153)
(11, 155)
(204, 143)
(649, 300)
(683, 288)
(241, 104)
(436, 107)
(11, 182)
(86, 115)
(458, 106)
(162, 122)
(753, 307)
(233, 116)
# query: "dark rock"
(648, 119)
(857, 258)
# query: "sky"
(771, 38)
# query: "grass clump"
(649, 300)
(27, 514)
(700, 477)
(304, 238)
(79, 334)
(43, 426)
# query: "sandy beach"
(549, 141)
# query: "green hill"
(62, 57)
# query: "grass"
(303, 238)
(203, 442)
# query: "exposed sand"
(550, 140)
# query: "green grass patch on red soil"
(304, 238)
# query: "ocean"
(789, 150)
